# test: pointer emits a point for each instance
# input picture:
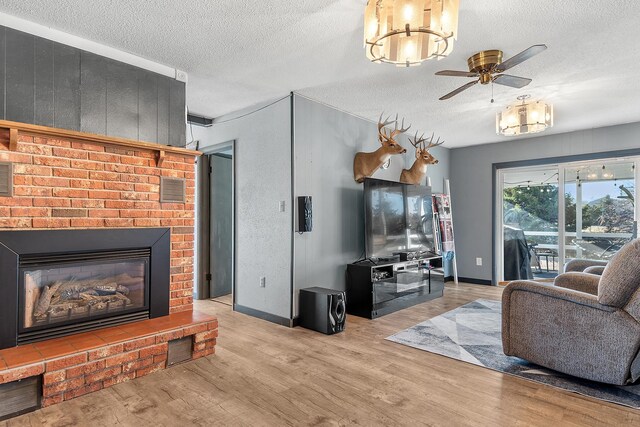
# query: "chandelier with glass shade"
(408, 32)
(524, 117)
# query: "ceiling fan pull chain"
(492, 92)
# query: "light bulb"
(446, 20)
(373, 29)
(409, 50)
(534, 115)
(407, 12)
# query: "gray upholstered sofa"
(584, 325)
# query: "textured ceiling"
(242, 52)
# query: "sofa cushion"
(621, 277)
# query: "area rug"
(472, 333)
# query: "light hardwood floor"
(264, 374)
(225, 299)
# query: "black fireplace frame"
(16, 244)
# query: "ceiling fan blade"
(453, 73)
(460, 89)
(521, 57)
(511, 81)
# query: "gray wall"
(326, 141)
(50, 84)
(471, 182)
(262, 180)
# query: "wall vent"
(180, 350)
(172, 190)
(6, 179)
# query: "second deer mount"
(366, 164)
(418, 171)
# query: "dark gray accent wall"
(3, 38)
(20, 83)
(44, 82)
(51, 84)
(472, 182)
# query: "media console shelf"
(374, 290)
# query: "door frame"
(204, 218)
(499, 214)
(632, 155)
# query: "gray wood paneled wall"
(51, 84)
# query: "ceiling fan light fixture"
(524, 117)
(409, 32)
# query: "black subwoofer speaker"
(323, 310)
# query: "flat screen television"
(398, 218)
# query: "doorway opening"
(216, 231)
(548, 215)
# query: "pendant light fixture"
(408, 32)
(524, 117)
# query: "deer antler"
(381, 126)
(402, 129)
(394, 133)
(416, 142)
(432, 144)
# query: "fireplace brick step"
(83, 363)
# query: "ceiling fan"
(488, 67)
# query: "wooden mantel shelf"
(16, 128)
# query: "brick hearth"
(90, 361)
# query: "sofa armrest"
(581, 264)
(561, 293)
(582, 282)
(568, 331)
(595, 269)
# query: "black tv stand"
(376, 289)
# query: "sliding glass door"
(550, 214)
(530, 223)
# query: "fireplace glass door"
(82, 289)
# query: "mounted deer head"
(366, 164)
(417, 172)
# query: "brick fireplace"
(83, 184)
(61, 182)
